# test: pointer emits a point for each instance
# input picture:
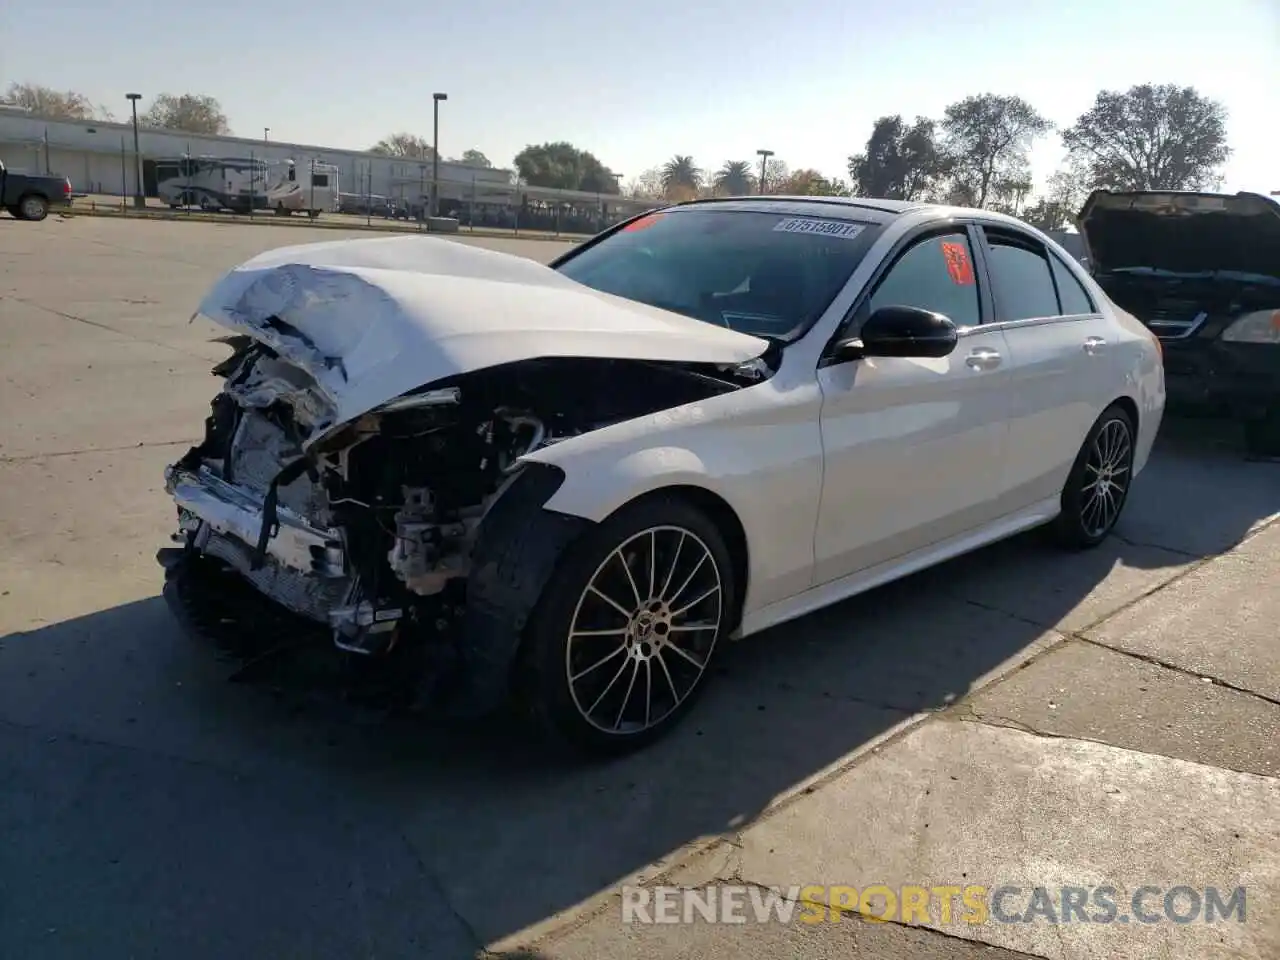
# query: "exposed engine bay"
(367, 527)
(1175, 306)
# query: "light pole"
(138, 199)
(435, 151)
(764, 159)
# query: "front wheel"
(1098, 485)
(620, 645)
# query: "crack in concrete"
(28, 457)
(995, 720)
(110, 329)
(471, 932)
(1185, 671)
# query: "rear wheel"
(623, 638)
(33, 207)
(1098, 485)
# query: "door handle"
(1093, 345)
(983, 358)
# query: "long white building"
(98, 157)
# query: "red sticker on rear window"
(643, 223)
(958, 264)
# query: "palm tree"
(681, 175)
(735, 178)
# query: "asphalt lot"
(1019, 716)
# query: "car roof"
(864, 209)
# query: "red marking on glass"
(958, 264)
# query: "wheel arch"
(725, 519)
(522, 542)
(1129, 406)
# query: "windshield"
(757, 272)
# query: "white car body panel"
(873, 523)
(842, 478)
(914, 451)
(395, 314)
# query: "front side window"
(936, 274)
(1021, 280)
(754, 271)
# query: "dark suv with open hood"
(1202, 271)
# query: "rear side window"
(1021, 280)
(1074, 297)
(936, 274)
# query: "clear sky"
(637, 82)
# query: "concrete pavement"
(1018, 718)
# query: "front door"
(914, 449)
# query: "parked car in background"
(1202, 270)
(29, 196)
(571, 483)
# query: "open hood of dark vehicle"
(1182, 232)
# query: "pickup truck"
(29, 197)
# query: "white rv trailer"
(212, 183)
(311, 186)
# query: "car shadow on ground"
(502, 834)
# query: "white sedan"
(570, 484)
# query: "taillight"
(66, 187)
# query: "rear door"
(1060, 372)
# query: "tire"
(33, 207)
(1087, 518)
(566, 672)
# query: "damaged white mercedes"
(567, 485)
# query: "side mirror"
(906, 332)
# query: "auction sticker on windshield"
(824, 228)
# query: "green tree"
(565, 167)
(987, 139)
(681, 177)
(900, 161)
(811, 183)
(1150, 137)
(188, 112)
(474, 158)
(735, 179)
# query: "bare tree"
(54, 104)
(1149, 137)
(647, 186)
(189, 112)
(406, 145)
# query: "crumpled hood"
(1182, 232)
(373, 319)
